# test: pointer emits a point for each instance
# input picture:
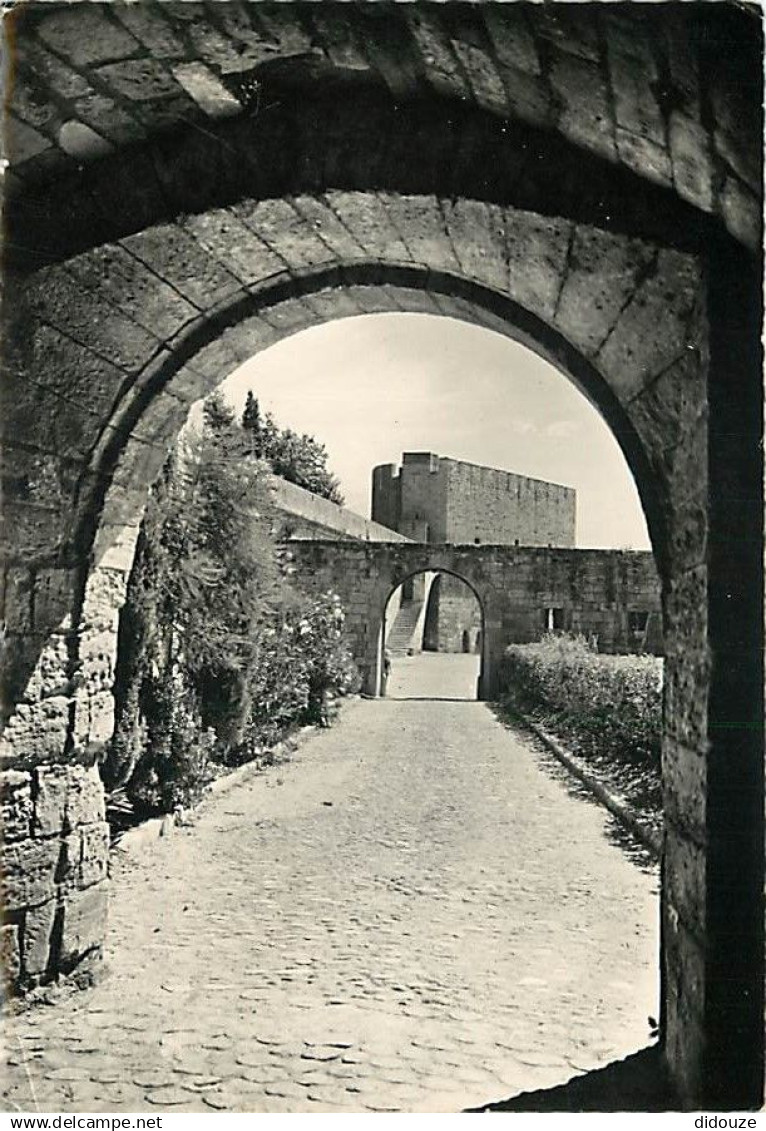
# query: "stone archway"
(121, 312)
(484, 680)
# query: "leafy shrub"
(609, 706)
(176, 771)
(219, 656)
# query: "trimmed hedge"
(608, 708)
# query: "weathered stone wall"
(54, 887)
(464, 502)
(670, 96)
(513, 586)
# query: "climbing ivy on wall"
(219, 653)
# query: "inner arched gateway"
(122, 312)
(428, 617)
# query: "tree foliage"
(219, 654)
(298, 458)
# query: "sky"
(373, 386)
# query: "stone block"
(207, 90)
(88, 318)
(671, 411)
(210, 364)
(53, 594)
(286, 233)
(290, 316)
(115, 548)
(421, 221)
(653, 329)
(38, 926)
(147, 23)
(94, 855)
(140, 464)
(684, 775)
(140, 80)
(83, 923)
(85, 799)
(742, 212)
(685, 978)
(528, 98)
(58, 75)
(38, 731)
(644, 156)
(51, 788)
(250, 336)
(94, 714)
(636, 107)
(477, 234)
(433, 45)
(68, 369)
(87, 37)
(29, 104)
(161, 420)
(685, 879)
(10, 955)
(108, 118)
(22, 141)
(184, 264)
(331, 303)
(692, 167)
(486, 84)
(148, 299)
(688, 523)
(586, 116)
(69, 860)
(288, 34)
(330, 230)
(29, 873)
(336, 34)
(17, 603)
(253, 44)
(602, 273)
(189, 385)
(511, 38)
(374, 227)
(537, 253)
(219, 50)
(15, 805)
(567, 31)
(373, 299)
(223, 234)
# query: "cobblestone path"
(413, 914)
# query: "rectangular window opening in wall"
(554, 620)
(638, 620)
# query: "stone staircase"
(400, 638)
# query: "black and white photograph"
(382, 558)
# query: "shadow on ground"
(638, 1083)
(430, 699)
